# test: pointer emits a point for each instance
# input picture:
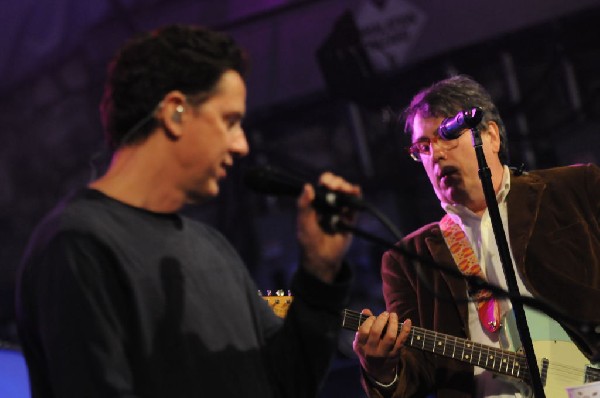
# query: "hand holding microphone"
(324, 244)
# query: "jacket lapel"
(442, 256)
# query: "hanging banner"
(388, 30)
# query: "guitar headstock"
(279, 303)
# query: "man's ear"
(494, 133)
(171, 112)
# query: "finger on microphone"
(337, 183)
(306, 196)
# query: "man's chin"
(203, 196)
(448, 195)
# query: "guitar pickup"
(592, 373)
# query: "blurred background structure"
(327, 82)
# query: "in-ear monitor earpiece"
(177, 115)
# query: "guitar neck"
(491, 358)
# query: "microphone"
(270, 181)
(452, 127)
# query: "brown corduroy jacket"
(554, 230)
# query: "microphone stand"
(509, 273)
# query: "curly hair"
(176, 57)
(447, 97)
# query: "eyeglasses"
(423, 146)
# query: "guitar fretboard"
(491, 358)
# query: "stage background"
(327, 81)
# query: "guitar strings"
(567, 372)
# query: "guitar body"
(560, 362)
(561, 365)
(557, 361)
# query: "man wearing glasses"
(552, 224)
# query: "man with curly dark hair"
(119, 295)
(552, 222)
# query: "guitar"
(555, 376)
(279, 303)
